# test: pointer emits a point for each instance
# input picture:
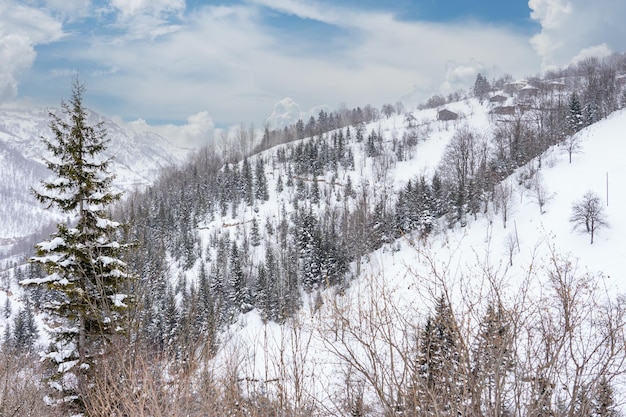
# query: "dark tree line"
(324, 123)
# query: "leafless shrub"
(548, 347)
(22, 391)
(503, 201)
(137, 382)
(540, 193)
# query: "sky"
(184, 68)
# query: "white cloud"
(146, 19)
(164, 62)
(571, 28)
(224, 59)
(69, 9)
(598, 51)
(551, 13)
(21, 29)
(461, 75)
(129, 8)
(198, 131)
(326, 12)
(33, 24)
(16, 56)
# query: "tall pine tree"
(87, 280)
(441, 377)
(492, 362)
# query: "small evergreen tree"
(542, 391)
(372, 148)
(86, 278)
(603, 404)
(239, 295)
(7, 308)
(260, 186)
(169, 317)
(247, 186)
(279, 184)
(25, 331)
(315, 191)
(481, 87)
(440, 371)
(349, 190)
(260, 293)
(574, 118)
(255, 235)
(492, 361)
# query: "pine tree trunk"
(82, 339)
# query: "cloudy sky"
(183, 67)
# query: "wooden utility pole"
(607, 188)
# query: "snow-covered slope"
(324, 345)
(137, 158)
(324, 355)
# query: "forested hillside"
(383, 262)
(255, 231)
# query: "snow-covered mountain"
(137, 159)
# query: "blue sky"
(184, 67)
(513, 12)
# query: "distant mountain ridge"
(138, 157)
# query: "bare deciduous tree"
(540, 193)
(510, 242)
(388, 110)
(589, 212)
(572, 145)
(503, 201)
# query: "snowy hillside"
(137, 159)
(346, 340)
(346, 269)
